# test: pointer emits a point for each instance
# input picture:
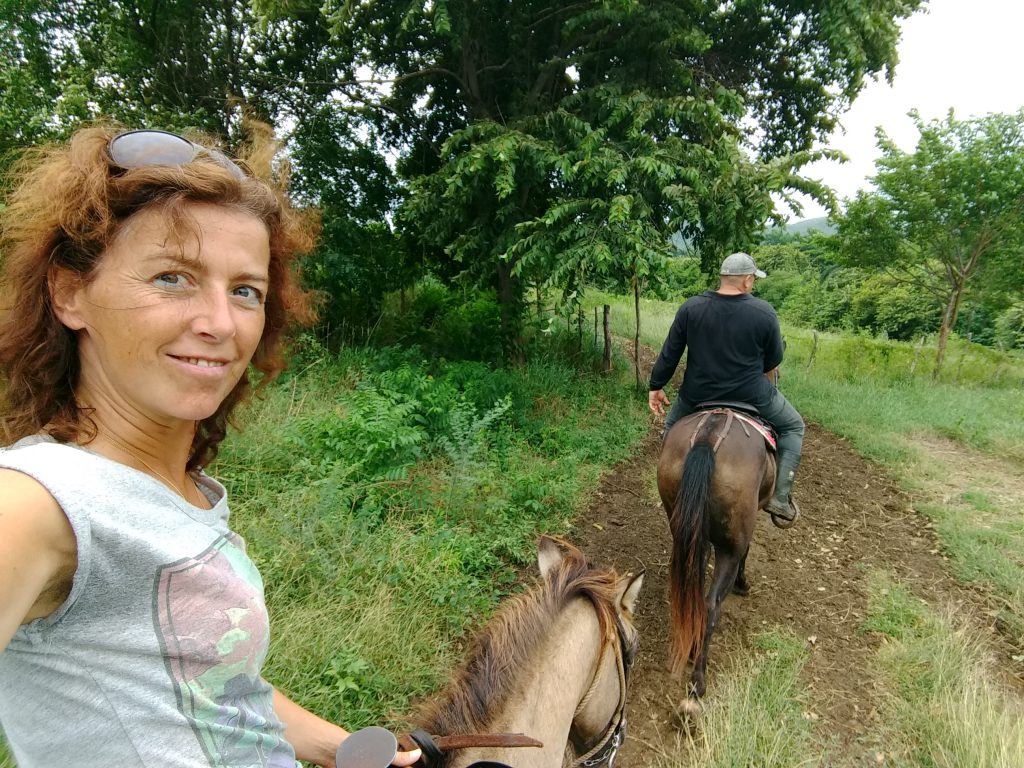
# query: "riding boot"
(781, 505)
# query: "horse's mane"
(510, 639)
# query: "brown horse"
(551, 664)
(714, 474)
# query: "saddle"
(746, 414)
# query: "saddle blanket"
(769, 438)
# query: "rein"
(434, 746)
(603, 753)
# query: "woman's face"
(168, 326)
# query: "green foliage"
(681, 278)
(806, 286)
(1009, 327)
(170, 64)
(353, 270)
(945, 213)
(809, 288)
(896, 310)
(543, 144)
(548, 145)
(443, 322)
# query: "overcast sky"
(964, 54)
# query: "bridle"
(608, 744)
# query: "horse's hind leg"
(727, 565)
(741, 587)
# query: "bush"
(682, 278)
(1009, 327)
(444, 323)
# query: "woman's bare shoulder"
(38, 553)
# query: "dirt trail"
(810, 580)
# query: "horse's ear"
(629, 591)
(549, 555)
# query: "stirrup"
(781, 521)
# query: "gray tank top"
(155, 657)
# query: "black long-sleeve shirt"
(733, 340)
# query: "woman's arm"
(315, 740)
(38, 554)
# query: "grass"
(941, 709)
(755, 714)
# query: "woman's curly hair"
(67, 205)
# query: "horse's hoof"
(690, 709)
(741, 589)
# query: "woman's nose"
(213, 316)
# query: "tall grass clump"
(943, 707)
(753, 715)
(390, 502)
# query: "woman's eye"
(249, 294)
(170, 280)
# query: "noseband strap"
(603, 753)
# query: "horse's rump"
(714, 473)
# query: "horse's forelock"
(488, 677)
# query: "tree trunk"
(606, 363)
(510, 312)
(949, 316)
(580, 319)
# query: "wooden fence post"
(814, 351)
(917, 354)
(607, 361)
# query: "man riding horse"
(734, 340)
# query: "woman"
(142, 275)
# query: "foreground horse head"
(714, 474)
(551, 664)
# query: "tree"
(541, 142)
(199, 64)
(547, 142)
(944, 213)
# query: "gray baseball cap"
(740, 264)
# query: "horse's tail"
(690, 542)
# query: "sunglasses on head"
(139, 149)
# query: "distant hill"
(820, 224)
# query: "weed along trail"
(811, 583)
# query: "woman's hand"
(315, 740)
